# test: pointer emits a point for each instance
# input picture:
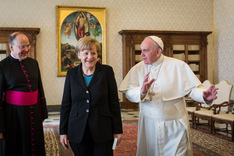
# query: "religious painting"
(74, 23)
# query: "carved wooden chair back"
(223, 94)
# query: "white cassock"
(163, 126)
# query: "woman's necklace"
(87, 75)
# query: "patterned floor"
(203, 143)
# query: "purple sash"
(21, 98)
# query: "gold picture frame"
(74, 23)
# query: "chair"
(221, 111)
(223, 98)
(203, 111)
(204, 114)
(191, 110)
(223, 94)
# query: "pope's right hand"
(146, 84)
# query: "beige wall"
(223, 41)
(183, 15)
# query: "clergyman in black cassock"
(22, 104)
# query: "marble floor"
(126, 114)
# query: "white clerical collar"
(14, 57)
(159, 61)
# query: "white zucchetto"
(158, 41)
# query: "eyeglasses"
(24, 46)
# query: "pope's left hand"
(210, 94)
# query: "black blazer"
(98, 104)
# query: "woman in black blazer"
(90, 112)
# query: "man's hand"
(210, 94)
(146, 85)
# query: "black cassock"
(22, 107)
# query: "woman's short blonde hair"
(87, 43)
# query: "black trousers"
(88, 147)
(2, 147)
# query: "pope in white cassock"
(159, 83)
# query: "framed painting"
(74, 23)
